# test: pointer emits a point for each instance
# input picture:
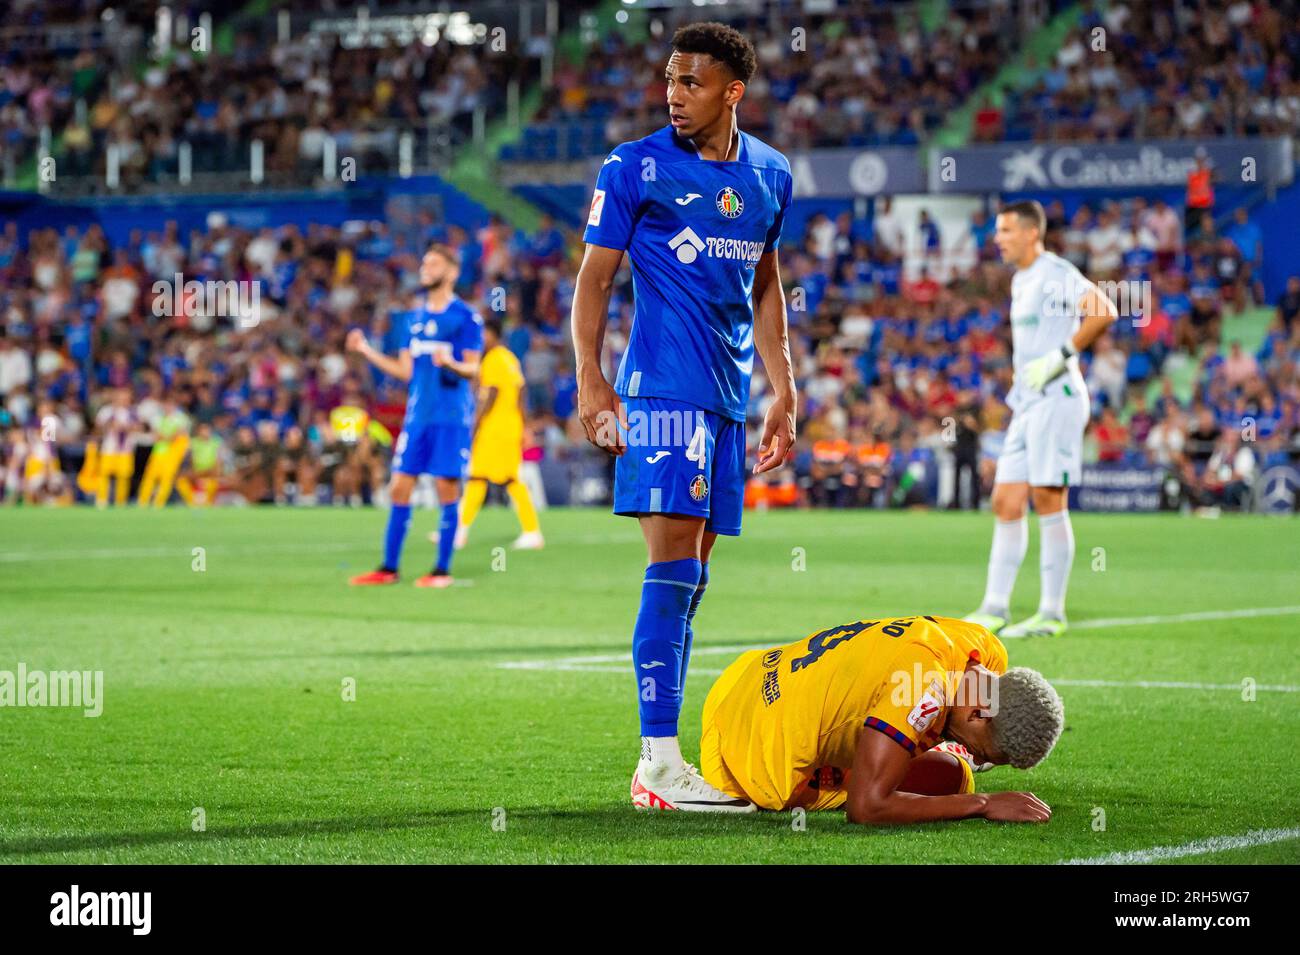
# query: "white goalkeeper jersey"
(1044, 316)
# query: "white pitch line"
(602, 662)
(1194, 617)
(569, 667)
(122, 552)
(1249, 840)
(1185, 617)
(1174, 685)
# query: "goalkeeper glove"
(1040, 372)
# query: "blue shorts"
(681, 459)
(438, 449)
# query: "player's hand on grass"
(602, 416)
(1016, 807)
(778, 435)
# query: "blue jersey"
(693, 230)
(438, 395)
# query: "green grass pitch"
(223, 687)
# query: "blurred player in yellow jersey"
(118, 429)
(166, 458)
(835, 720)
(499, 441)
(42, 474)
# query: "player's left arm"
(772, 339)
(1096, 314)
(466, 367)
(471, 350)
(487, 398)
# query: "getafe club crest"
(699, 488)
(729, 203)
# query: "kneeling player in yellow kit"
(836, 719)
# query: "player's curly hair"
(725, 44)
(1029, 717)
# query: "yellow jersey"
(503, 424)
(781, 725)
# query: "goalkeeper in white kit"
(1055, 314)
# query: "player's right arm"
(399, 367)
(772, 339)
(611, 222)
(879, 767)
(598, 404)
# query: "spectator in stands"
(931, 238)
(1248, 239)
(1230, 472)
(1200, 191)
(1112, 437)
(1288, 306)
(1162, 222)
(1239, 367)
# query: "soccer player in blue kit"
(440, 359)
(698, 207)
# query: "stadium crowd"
(902, 362)
(1164, 71)
(292, 95)
(902, 380)
(856, 75)
(901, 377)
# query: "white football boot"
(532, 540)
(991, 622)
(687, 791)
(1039, 625)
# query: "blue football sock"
(690, 626)
(447, 536)
(657, 642)
(399, 517)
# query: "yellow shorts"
(490, 461)
(37, 469)
(117, 465)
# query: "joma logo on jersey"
(688, 246)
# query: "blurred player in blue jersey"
(698, 208)
(441, 358)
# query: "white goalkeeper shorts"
(1044, 443)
